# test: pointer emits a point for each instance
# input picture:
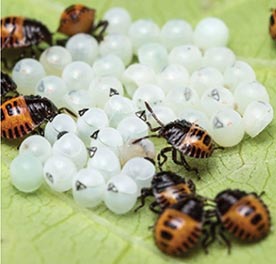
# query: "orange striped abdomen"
(12, 32)
(248, 219)
(176, 233)
(16, 120)
(197, 143)
(173, 194)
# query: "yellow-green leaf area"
(48, 227)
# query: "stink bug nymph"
(242, 214)
(185, 138)
(179, 227)
(23, 114)
(80, 19)
(21, 32)
(167, 188)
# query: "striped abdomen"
(16, 120)
(197, 143)
(176, 233)
(248, 219)
(17, 32)
(12, 32)
(172, 194)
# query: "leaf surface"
(46, 227)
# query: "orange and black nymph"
(22, 114)
(19, 32)
(185, 138)
(81, 19)
(244, 215)
(167, 188)
(180, 227)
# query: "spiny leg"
(163, 155)
(145, 192)
(211, 235)
(187, 166)
(191, 185)
(205, 238)
(150, 160)
(103, 25)
(225, 239)
(183, 162)
(66, 110)
(153, 206)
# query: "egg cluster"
(180, 72)
(65, 165)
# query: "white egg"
(136, 75)
(26, 172)
(60, 123)
(91, 120)
(181, 97)
(211, 32)
(102, 88)
(109, 65)
(152, 94)
(119, 45)
(120, 194)
(205, 78)
(105, 161)
(26, 74)
(71, 146)
(78, 75)
(88, 187)
(36, 145)
(154, 55)
(219, 57)
(239, 72)
(59, 172)
(174, 75)
(257, 116)
(188, 56)
(54, 59)
(76, 100)
(140, 170)
(117, 108)
(247, 92)
(132, 127)
(108, 137)
(176, 32)
(83, 47)
(143, 31)
(52, 87)
(227, 128)
(119, 20)
(215, 99)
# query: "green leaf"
(46, 227)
